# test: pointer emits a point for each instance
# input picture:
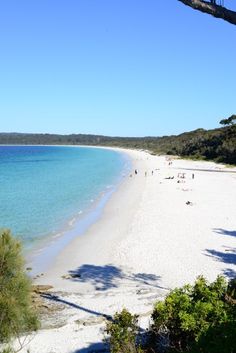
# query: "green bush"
(7, 350)
(122, 333)
(198, 318)
(16, 313)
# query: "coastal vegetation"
(194, 318)
(17, 315)
(218, 144)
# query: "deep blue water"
(44, 189)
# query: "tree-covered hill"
(218, 144)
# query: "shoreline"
(147, 241)
(86, 239)
(41, 256)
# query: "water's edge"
(40, 258)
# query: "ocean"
(46, 191)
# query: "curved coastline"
(43, 253)
(44, 190)
(148, 239)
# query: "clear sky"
(114, 67)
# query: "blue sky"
(114, 67)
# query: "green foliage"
(122, 333)
(230, 121)
(218, 144)
(16, 313)
(7, 350)
(231, 289)
(217, 339)
(198, 318)
(195, 317)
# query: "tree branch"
(212, 9)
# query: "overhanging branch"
(212, 9)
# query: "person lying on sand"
(189, 203)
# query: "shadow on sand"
(58, 299)
(228, 272)
(231, 233)
(108, 276)
(228, 256)
(103, 278)
(209, 170)
(94, 348)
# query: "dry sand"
(147, 241)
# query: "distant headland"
(217, 144)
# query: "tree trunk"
(212, 9)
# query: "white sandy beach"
(147, 241)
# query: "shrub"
(7, 350)
(16, 313)
(195, 317)
(123, 332)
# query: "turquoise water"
(45, 189)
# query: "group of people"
(145, 173)
(179, 176)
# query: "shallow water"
(44, 190)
